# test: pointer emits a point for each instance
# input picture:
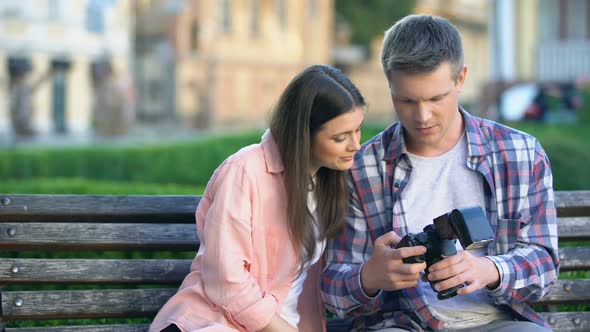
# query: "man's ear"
(461, 78)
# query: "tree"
(370, 18)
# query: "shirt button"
(397, 185)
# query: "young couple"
(308, 219)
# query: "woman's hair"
(420, 44)
(314, 97)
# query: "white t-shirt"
(437, 186)
(289, 310)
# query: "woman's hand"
(278, 324)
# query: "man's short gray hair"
(420, 44)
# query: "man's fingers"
(410, 251)
(448, 261)
(412, 270)
(469, 289)
(389, 239)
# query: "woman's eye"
(338, 139)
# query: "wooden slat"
(93, 271)
(97, 208)
(84, 328)
(573, 228)
(559, 321)
(83, 303)
(84, 236)
(574, 258)
(568, 321)
(142, 302)
(91, 236)
(568, 292)
(18, 207)
(573, 203)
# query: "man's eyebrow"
(441, 95)
(430, 98)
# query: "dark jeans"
(336, 324)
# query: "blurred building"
(547, 40)
(50, 47)
(541, 41)
(224, 63)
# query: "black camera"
(469, 225)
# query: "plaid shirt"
(519, 204)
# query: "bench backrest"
(79, 229)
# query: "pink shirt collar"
(272, 157)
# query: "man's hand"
(476, 272)
(385, 270)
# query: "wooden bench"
(124, 293)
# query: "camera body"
(469, 225)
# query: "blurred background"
(106, 96)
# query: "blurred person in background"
(435, 159)
(266, 214)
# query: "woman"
(267, 212)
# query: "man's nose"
(423, 112)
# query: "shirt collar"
(477, 144)
(272, 157)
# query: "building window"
(255, 19)
(194, 35)
(313, 8)
(95, 17)
(54, 12)
(281, 10)
(576, 19)
(226, 16)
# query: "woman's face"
(336, 142)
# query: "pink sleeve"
(227, 237)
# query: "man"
(435, 159)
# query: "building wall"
(527, 37)
(232, 75)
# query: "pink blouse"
(245, 265)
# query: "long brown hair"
(315, 96)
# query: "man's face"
(427, 106)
